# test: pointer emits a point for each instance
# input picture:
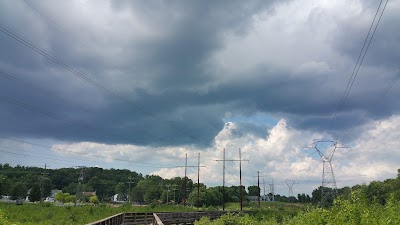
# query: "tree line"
(135, 187)
(127, 185)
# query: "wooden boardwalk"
(160, 218)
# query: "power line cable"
(53, 95)
(49, 93)
(358, 64)
(85, 154)
(375, 104)
(44, 112)
(99, 86)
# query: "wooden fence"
(161, 218)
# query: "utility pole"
(80, 178)
(326, 153)
(272, 189)
(240, 174)
(185, 179)
(258, 185)
(42, 183)
(168, 186)
(223, 183)
(240, 177)
(174, 188)
(264, 189)
(184, 192)
(198, 182)
(129, 183)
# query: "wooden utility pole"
(184, 191)
(130, 182)
(80, 178)
(185, 179)
(258, 185)
(198, 182)
(42, 182)
(240, 174)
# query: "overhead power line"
(49, 93)
(85, 154)
(36, 88)
(79, 74)
(55, 116)
(358, 64)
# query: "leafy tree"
(35, 193)
(121, 191)
(18, 190)
(3, 184)
(254, 191)
(71, 188)
(152, 193)
(61, 197)
(70, 198)
(94, 200)
(46, 186)
(378, 192)
(147, 190)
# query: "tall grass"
(48, 214)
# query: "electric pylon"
(326, 149)
(290, 184)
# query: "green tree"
(46, 186)
(18, 190)
(35, 193)
(378, 192)
(71, 188)
(152, 193)
(94, 200)
(253, 190)
(62, 197)
(121, 191)
(70, 198)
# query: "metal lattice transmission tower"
(326, 149)
(290, 184)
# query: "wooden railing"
(127, 218)
(161, 218)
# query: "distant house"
(49, 199)
(27, 195)
(7, 197)
(117, 199)
(89, 193)
(54, 192)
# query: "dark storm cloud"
(176, 96)
(168, 117)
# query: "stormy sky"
(138, 84)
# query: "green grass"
(276, 210)
(48, 214)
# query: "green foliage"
(70, 198)
(234, 219)
(65, 197)
(35, 193)
(46, 186)
(32, 214)
(18, 190)
(355, 210)
(94, 200)
(253, 190)
(121, 190)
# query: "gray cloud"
(161, 56)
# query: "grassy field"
(48, 214)
(276, 210)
